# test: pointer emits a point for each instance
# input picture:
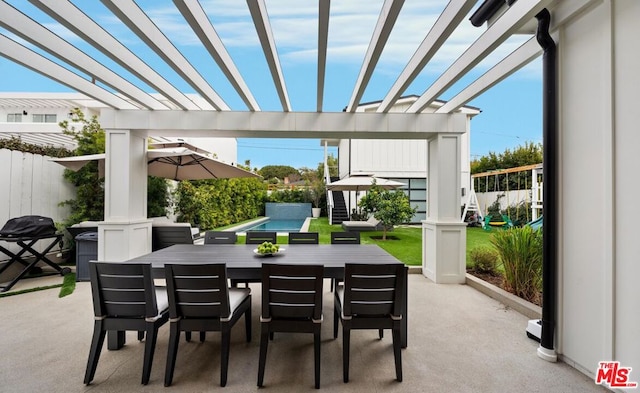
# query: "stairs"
(340, 212)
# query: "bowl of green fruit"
(268, 249)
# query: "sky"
(511, 111)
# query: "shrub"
(520, 251)
(484, 259)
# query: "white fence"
(31, 185)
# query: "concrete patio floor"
(459, 341)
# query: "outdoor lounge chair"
(369, 299)
(291, 302)
(199, 299)
(372, 224)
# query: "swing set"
(497, 182)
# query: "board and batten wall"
(599, 262)
(31, 185)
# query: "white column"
(125, 232)
(444, 236)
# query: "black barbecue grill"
(26, 231)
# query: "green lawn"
(407, 247)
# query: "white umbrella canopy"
(177, 163)
(361, 182)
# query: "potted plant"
(317, 189)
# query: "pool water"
(278, 226)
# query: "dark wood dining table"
(243, 262)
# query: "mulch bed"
(498, 281)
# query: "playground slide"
(537, 224)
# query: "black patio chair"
(124, 298)
(199, 300)
(370, 299)
(259, 237)
(303, 238)
(343, 238)
(220, 237)
(291, 302)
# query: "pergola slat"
(386, 20)
(324, 7)
(258, 11)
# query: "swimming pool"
(276, 225)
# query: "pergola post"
(443, 234)
(125, 232)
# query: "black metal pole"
(550, 195)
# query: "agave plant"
(520, 251)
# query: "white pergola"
(135, 114)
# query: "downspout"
(550, 195)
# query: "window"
(44, 118)
(14, 117)
(416, 190)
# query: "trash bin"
(86, 250)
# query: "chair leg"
(346, 341)
(316, 352)
(224, 355)
(264, 343)
(203, 335)
(381, 333)
(397, 352)
(247, 322)
(336, 317)
(172, 353)
(94, 353)
(149, 348)
(187, 336)
(140, 335)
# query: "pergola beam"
(388, 16)
(28, 29)
(323, 125)
(448, 21)
(196, 17)
(86, 28)
(260, 17)
(38, 63)
(516, 16)
(324, 7)
(139, 22)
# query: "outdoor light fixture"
(24, 113)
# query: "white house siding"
(599, 264)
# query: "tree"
(278, 171)
(332, 163)
(527, 154)
(390, 207)
(90, 139)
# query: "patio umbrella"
(178, 163)
(361, 182)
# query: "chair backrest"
(165, 236)
(303, 238)
(197, 291)
(292, 291)
(122, 290)
(259, 237)
(345, 237)
(220, 237)
(373, 290)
